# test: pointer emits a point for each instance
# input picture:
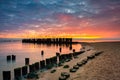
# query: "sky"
(60, 18)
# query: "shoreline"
(103, 67)
(47, 75)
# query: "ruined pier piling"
(17, 73)
(48, 40)
(11, 57)
(27, 61)
(6, 75)
(24, 70)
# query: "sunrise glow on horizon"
(85, 19)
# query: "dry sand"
(106, 66)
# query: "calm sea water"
(26, 50)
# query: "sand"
(106, 66)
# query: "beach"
(59, 39)
(106, 66)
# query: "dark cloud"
(14, 14)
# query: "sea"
(27, 50)
(31, 51)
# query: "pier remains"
(48, 40)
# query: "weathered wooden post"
(42, 64)
(70, 48)
(57, 54)
(42, 52)
(13, 57)
(8, 57)
(37, 66)
(55, 60)
(48, 61)
(60, 49)
(26, 61)
(73, 50)
(31, 68)
(69, 56)
(17, 73)
(6, 75)
(24, 70)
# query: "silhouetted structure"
(24, 70)
(60, 49)
(48, 40)
(42, 52)
(8, 57)
(48, 64)
(11, 57)
(6, 75)
(27, 61)
(17, 73)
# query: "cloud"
(49, 15)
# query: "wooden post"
(73, 50)
(48, 61)
(17, 73)
(42, 64)
(37, 66)
(42, 52)
(8, 57)
(57, 54)
(24, 70)
(70, 48)
(60, 49)
(31, 68)
(26, 61)
(13, 57)
(6, 75)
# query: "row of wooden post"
(18, 72)
(11, 57)
(48, 40)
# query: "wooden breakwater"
(48, 63)
(48, 40)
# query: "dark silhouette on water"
(11, 58)
(6, 75)
(47, 63)
(67, 42)
(48, 40)
(27, 61)
(42, 52)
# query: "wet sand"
(106, 66)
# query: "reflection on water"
(26, 50)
